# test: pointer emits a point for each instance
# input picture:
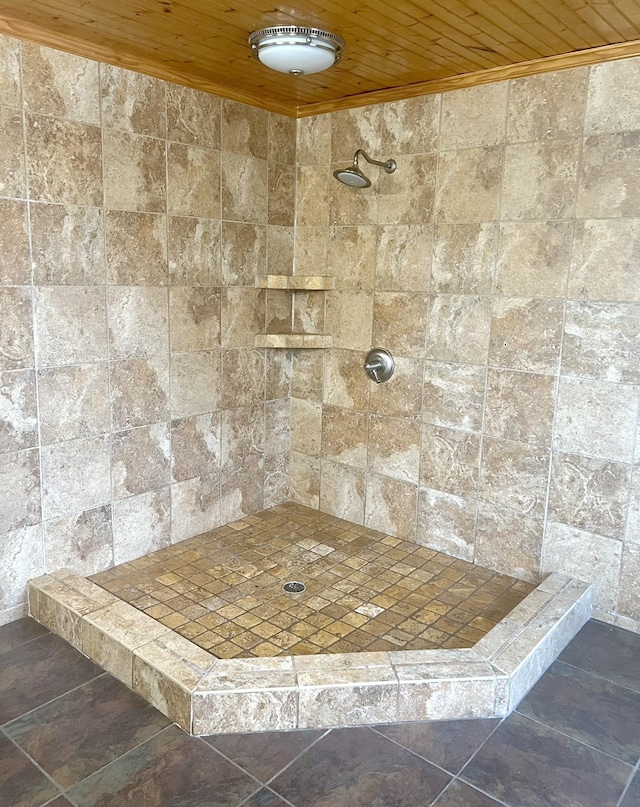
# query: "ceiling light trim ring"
(297, 50)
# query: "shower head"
(353, 175)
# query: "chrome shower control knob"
(379, 365)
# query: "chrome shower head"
(353, 175)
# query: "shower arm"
(388, 165)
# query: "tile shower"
(498, 264)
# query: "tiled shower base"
(385, 631)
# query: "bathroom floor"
(364, 591)
(73, 735)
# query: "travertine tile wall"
(134, 411)
(500, 264)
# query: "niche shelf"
(294, 283)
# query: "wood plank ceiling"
(394, 49)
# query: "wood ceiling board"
(394, 50)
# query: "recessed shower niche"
(385, 630)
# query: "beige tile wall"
(500, 264)
(134, 411)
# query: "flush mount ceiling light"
(294, 50)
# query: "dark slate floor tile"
(458, 794)
(38, 671)
(610, 652)
(632, 796)
(264, 798)
(59, 802)
(265, 754)
(359, 768)
(529, 765)
(81, 732)
(589, 709)
(447, 743)
(169, 770)
(21, 783)
(19, 632)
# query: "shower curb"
(207, 695)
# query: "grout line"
(635, 772)
(53, 700)
(571, 737)
(475, 788)
(597, 675)
(38, 767)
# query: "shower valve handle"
(379, 365)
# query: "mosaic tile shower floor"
(365, 591)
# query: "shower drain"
(294, 587)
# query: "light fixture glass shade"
(295, 50)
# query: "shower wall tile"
(342, 491)
(411, 126)
(344, 436)
(533, 258)
(193, 117)
(245, 130)
(446, 523)
(138, 322)
(603, 190)
(450, 460)
(67, 245)
(469, 185)
(547, 107)
(194, 318)
(64, 161)
(18, 410)
(132, 102)
(134, 172)
(453, 395)
(474, 117)
(60, 84)
(10, 78)
(76, 475)
(464, 258)
(399, 322)
(16, 336)
(351, 257)
(193, 181)
(194, 251)
(520, 406)
(407, 195)
(136, 248)
(244, 189)
(613, 97)
(391, 506)
(74, 402)
(526, 334)
(603, 260)
(540, 180)
(313, 144)
(20, 474)
(458, 328)
(70, 325)
(589, 493)
(140, 460)
(141, 524)
(139, 392)
(14, 244)
(195, 383)
(115, 319)
(82, 541)
(394, 448)
(356, 128)
(602, 341)
(403, 257)
(13, 172)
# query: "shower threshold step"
(205, 694)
